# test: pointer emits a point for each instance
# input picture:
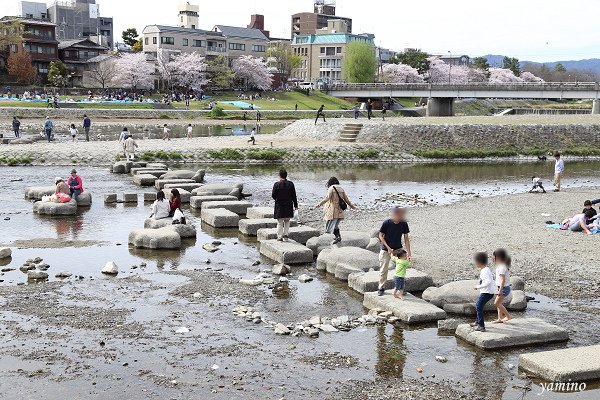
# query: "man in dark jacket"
(284, 194)
(16, 124)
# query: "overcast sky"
(535, 30)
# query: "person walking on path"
(296, 107)
(391, 233)
(559, 169)
(320, 113)
(486, 289)
(252, 136)
(129, 146)
(284, 194)
(190, 131)
(383, 112)
(258, 116)
(48, 126)
(73, 131)
(87, 124)
(16, 124)
(166, 133)
(75, 184)
(336, 202)
(369, 109)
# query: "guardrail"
(568, 86)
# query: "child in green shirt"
(402, 264)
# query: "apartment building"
(308, 23)
(323, 53)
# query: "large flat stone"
(184, 194)
(343, 261)
(289, 252)
(84, 199)
(37, 192)
(363, 282)
(185, 186)
(411, 310)
(219, 218)
(197, 176)
(459, 297)
(185, 231)
(515, 333)
(144, 180)
(51, 208)
(196, 201)
(160, 183)
(250, 227)
(157, 173)
(219, 189)
(300, 234)
(260, 212)
(349, 239)
(237, 206)
(578, 364)
(163, 238)
(152, 223)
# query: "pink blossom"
(400, 73)
(501, 75)
(253, 71)
(529, 77)
(133, 71)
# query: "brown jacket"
(332, 203)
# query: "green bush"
(164, 116)
(266, 155)
(148, 156)
(217, 112)
(226, 154)
(367, 153)
(464, 153)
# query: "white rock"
(305, 278)
(327, 328)
(182, 329)
(110, 268)
(63, 274)
(37, 275)
(281, 269)
(252, 282)
(211, 248)
(281, 329)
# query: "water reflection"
(391, 352)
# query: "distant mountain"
(592, 64)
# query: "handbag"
(343, 204)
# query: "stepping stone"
(110, 198)
(411, 310)
(163, 238)
(144, 179)
(289, 252)
(151, 223)
(52, 208)
(5, 252)
(130, 198)
(250, 227)
(84, 199)
(220, 218)
(185, 186)
(260, 213)
(236, 206)
(349, 239)
(300, 234)
(219, 189)
(459, 297)
(415, 281)
(121, 167)
(517, 332)
(160, 183)
(186, 231)
(197, 176)
(578, 364)
(157, 173)
(37, 192)
(149, 196)
(343, 261)
(184, 194)
(196, 201)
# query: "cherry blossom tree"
(501, 75)
(133, 71)
(400, 73)
(185, 70)
(529, 77)
(440, 72)
(253, 72)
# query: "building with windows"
(323, 53)
(76, 55)
(308, 23)
(37, 37)
(455, 60)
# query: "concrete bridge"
(441, 96)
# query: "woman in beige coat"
(334, 213)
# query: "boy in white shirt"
(166, 133)
(559, 168)
(190, 130)
(486, 289)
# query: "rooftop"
(333, 38)
(29, 21)
(63, 44)
(177, 29)
(247, 33)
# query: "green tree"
(219, 73)
(360, 63)
(481, 63)
(513, 64)
(282, 57)
(58, 75)
(139, 45)
(130, 36)
(415, 58)
(560, 68)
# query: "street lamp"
(450, 68)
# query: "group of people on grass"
(66, 191)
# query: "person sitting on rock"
(175, 203)
(75, 184)
(161, 207)
(62, 192)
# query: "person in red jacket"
(75, 184)
(175, 201)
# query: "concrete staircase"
(350, 132)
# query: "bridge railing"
(522, 86)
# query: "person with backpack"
(336, 202)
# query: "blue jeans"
(398, 283)
(75, 193)
(49, 135)
(481, 301)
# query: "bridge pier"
(596, 107)
(440, 107)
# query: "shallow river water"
(390, 352)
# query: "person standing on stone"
(48, 126)
(486, 289)
(129, 147)
(502, 261)
(391, 233)
(559, 169)
(320, 113)
(16, 124)
(87, 124)
(284, 194)
(336, 202)
(75, 184)
(369, 109)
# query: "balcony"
(217, 50)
